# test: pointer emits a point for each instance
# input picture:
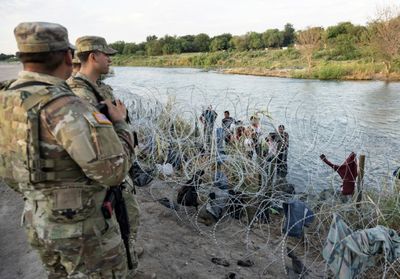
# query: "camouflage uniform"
(62, 154)
(76, 64)
(94, 93)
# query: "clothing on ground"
(349, 253)
(297, 215)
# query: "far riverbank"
(274, 63)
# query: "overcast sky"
(132, 20)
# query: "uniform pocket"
(69, 205)
(106, 141)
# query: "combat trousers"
(88, 249)
(87, 257)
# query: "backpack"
(187, 194)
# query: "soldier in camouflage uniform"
(94, 53)
(76, 65)
(62, 155)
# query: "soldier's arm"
(104, 154)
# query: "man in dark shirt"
(208, 118)
(283, 146)
(227, 122)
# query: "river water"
(329, 117)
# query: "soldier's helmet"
(37, 37)
(92, 43)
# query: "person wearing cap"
(55, 149)
(94, 54)
(76, 65)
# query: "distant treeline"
(378, 41)
(272, 38)
(6, 57)
(344, 38)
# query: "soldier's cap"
(36, 37)
(92, 43)
(76, 60)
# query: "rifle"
(115, 201)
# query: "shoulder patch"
(101, 118)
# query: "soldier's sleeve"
(104, 154)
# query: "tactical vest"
(20, 158)
(78, 82)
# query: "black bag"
(187, 194)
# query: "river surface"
(329, 117)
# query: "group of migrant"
(271, 150)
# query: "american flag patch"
(101, 118)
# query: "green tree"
(239, 43)
(118, 46)
(202, 42)
(151, 38)
(273, 38)
(255, 40)
(288, 35)
(345, 28)
(171, 45)
(129, 48)
(220, 42)
(187, 43)
(154, 47)
(4, 57)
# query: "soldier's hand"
(116, 112)
(322, 156)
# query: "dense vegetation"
(344, 50)
(7, 57)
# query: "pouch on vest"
(107, 143)
(70, 205)
(20, 159)
(14, 137)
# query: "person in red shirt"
(347, 171)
